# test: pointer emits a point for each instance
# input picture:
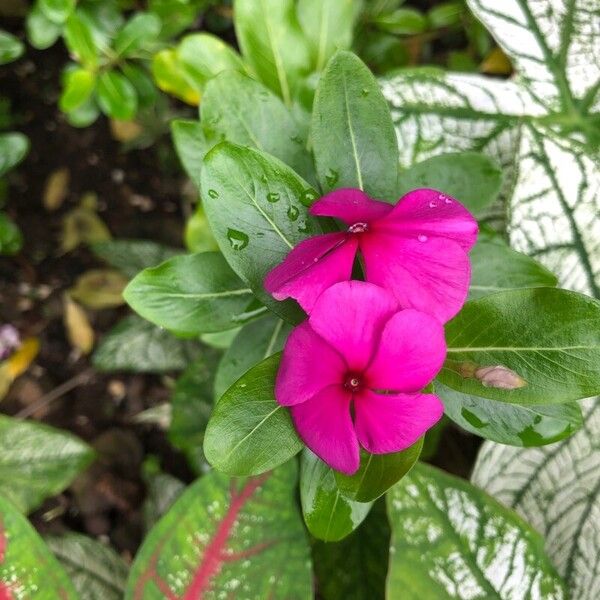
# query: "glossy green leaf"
(11, 47)
(37, 461)
(136, 345)
(96, 570)
(377, 473)
(257, 209)
(451, 540)
(85, 115)
(273, 44)
(238, 537)
(328, 25)
(352, 131)
(11, 238)
(57, 11)
(255, 342)
(78, 86)
(202, 56)
(41, 31)
(131, 256)
(240, 110)
(80, 42)
(248, 432)
(142, 82)
(116, 96)
(446, 14)
(557, 490)
(198, 235)
(139, 31)
(473, 179)
(191, 407)
(403, 21)
(13, 148)
(513, 424)
(543, 343)
(495, 267)
(356, 567)
(328, 514)
(191, 146)
(191, 294)
(220, 340)
(27, 567)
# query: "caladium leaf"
(557, 490)
(27, 567)
(96, 571)
(37, 461)
(451, 540)
(242, 538)
(328, 514)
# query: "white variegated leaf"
(556, 488)
(555, 208)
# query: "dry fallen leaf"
(56, 188)
(125, 131)
(83, 225)
(99, 288)
(18, 363)
(79, 330)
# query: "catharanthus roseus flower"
(416, 249)
(352, 373)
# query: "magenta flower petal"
(393, 422)
(350, 316)
(325, 425)
(351, 206)
(430, 213)
(429, 274)
(308, 365)
(410, 353)
(311, 267)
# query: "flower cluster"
(353, 373)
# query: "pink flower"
(353, 371)
(417, 250)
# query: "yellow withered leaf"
(99, 288)
(77, 325)
(56, 188)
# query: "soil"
(139, 196)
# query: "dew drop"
(213, 193)
(238, 239)
(331, 177)
(308, 197)
(264, 178)
(297, 139)
(364, 92)
(273, 197)
(303, 227)
(422, 237)
(293, 212)
(432, 204)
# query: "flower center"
(352, 382)
(358, 228)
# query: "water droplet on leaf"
(331, 177)
(293, 213)
(273, 197)
(308, 197)
(238, 239)
(213, 193)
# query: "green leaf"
(451, 540)
(404, 21)
(328, 514)
(96, 571)
(495, 267)
(353, 135)
(257, 209)
(191, 146)
(248, 432)
(140, 79)
(131, 256)
(80, 41)
(242, 111)
(27, 566)
(11, 47)
(543, 343)
(11, 238)
(511, 424)
(220, 340)
(116, 96)
(238, 537)
(202, 56)
(141, 30)
(377, 473)
(136, 345)
(255, 342)
(273, 44)
(191, 407)
(37, 461)
(198, 236)
(472, 178)
(162, 490)
(328, 26)
(191, 294)
(85, 115)
(446, 14)
(557, 490)
(57, 11)
(356, 567)
(171, 78)
(13, 149)
(41, 31)
(78, 86)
